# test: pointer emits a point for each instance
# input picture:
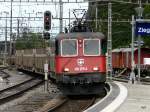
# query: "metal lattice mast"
(61, 16)
(10, 48)
(5, 53)
(18, 21)
(96, 15)
(109, 41)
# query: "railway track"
(53, 102)
(13, 91)
(3, 74)
(72, 103)
(3, 67)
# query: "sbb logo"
(80, 62)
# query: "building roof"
(127, 49)
(123, 50)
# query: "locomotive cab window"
(92, 47)
(69, 47)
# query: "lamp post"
(139, 11)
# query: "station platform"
(138, 98)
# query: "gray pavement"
(138, 99)
(112, 100)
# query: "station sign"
(142, 28)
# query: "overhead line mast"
(10, 48)
(61, 16)
(109, 41)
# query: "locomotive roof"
(81, 35)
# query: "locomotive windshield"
(69, 47)
(92, 47)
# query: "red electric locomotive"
(80, 62)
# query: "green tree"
(30, 40)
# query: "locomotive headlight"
(66, 69)
(95, 68)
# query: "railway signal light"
(47, 20)
(46, 35)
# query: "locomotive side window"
(69, 47)
(57, 48)
(91, 47)
(103, 47)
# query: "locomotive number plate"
(80, 69)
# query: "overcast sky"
(33, 10)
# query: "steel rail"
(62, 102)
(4, 74)
(11, 92)
(90, 103)
(83, 105)
(53, 104)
